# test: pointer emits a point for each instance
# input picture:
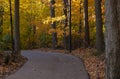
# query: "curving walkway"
(43, 65)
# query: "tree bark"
(1, 18)
(70, 25)
(65, 3)
(87, 36)
(11, 23)
(99, 27)
(53, 25)
(80, 24)
(112, 39)
(17, 28)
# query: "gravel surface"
(41, 65)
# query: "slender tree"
(112, 39)
(32, 25)
(70, 30)
(11, 23)
(17, 28)
(53, 25)
(99, 26)
(87, 36)
(1, 17)
(65, 3)
(80, 23)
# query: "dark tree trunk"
(11, 23)
(17, 28)
(99, 27)
(112, 39)
(1, 18)
(80, 21)
(87, 36)
(53, 25)
(80, 25)
(70, 29)
(65, 3)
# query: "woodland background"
(35, 24)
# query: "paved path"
(42, 65)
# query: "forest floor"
(9, 67)
(94, 62)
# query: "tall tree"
(1, 17)
(65, 3)
(112, 39)
(87, 36)
(80, 23)
(11, 23)
(69, 22)
(53, 25)
(17, 28)
(99, 26)
(32, 26)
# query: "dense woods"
(46, 24)
(63, 24)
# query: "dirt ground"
(9, 67)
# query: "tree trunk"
(53, 25)
(17, 28)
(80, 24)
(70, 25)
(87, 36)
(99, 27)
(65, 3)
(112, 39)
(1, 18)
(11, 23)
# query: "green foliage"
(45, 40)
(92, 33)
(6, 42)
